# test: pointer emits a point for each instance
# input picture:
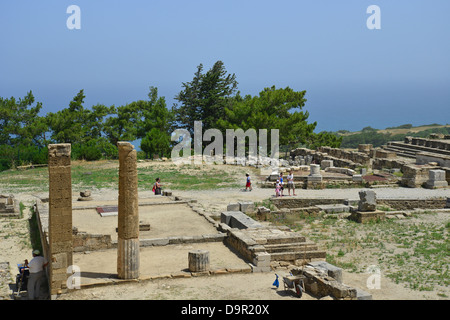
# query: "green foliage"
(365, 137)
(325, 138)
(20, 123)
(156, 126)
(76, 124)
(94, 149)
(272, 109)
(19, 155)
(205, 97)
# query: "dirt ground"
(231, 286)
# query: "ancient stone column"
(128, 219)
(198, 260)
(314, 170)
(60, 216)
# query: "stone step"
(285, 239)
(401, 151)
(334, 208)
(291, 247)
(417, 148)
(295, 255)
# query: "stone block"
(362, 295)
(260, 269)
(437, 175)
(326, 164)
(368, 201)
(357, 178)
(334, 208)
(237, 219)
(233, 207)
(365, 148)
(366, 216)
(246, 206)
(85, 193)
(262, 259)
(320, 284)
(263, 213)
(331, 270)
(436, 184)
(154, 242)
(436, 179)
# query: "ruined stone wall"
(235, 241)
(83, 241)
(340, 157)
(415, 176)
(430, 143)
(426, 157)
(291, 203)
(380, 163)
(360, 158)
(411, 204)
(398, 204)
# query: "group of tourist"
(279, 185)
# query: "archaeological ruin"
(116, 241)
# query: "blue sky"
(354, 77)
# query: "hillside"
(379, 137)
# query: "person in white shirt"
(290, 180)
(36, 267)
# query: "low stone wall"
(318, 156)
(242, 245)
(219, 237)
(398, 204)
(291, 203)
(356, 157)
(381, 163)
(83, 241)
(431, 143)
(239, 220)
(426, 157)
(320, 284)
(411, 204)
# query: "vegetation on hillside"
(377, 138)
(211, 97)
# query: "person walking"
(36, 267)
(248, 185)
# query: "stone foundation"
(367, 216)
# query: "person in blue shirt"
(248, 185)
(281, 183)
